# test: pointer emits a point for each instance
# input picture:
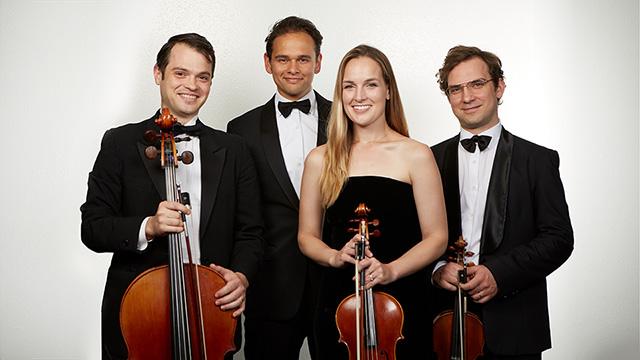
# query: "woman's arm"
(311, 216)
(429, 199)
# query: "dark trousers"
(267, 339)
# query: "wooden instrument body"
(389, 320)
(457, 333)
(443, 328)
(146, 309)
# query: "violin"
(369, 322)
(168, 312)
(458, 334)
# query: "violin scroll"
(458, 252)
(362, 219)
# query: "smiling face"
(293, 64)
(364, 91)
(476, 109)
(186, 82)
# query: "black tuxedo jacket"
(526, 235)
(278, 292)
(124, 187)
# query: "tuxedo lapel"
(324, 110)
(451, 187)
(495, 212)
(212, 164)
(153, 167)
(273, 151)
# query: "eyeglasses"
(473, 85)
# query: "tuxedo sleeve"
(104, 228)
(248, 228)
(549, 230)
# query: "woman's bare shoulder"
(316, 156)
(415, 150)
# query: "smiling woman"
(370, 158)
(364, 91)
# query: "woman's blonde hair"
(335, 168)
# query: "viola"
(458, 334)
(360, 316)
(168, 312)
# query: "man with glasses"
(504, 196)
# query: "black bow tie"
(470, 144)
(286, 107)
(193, 130)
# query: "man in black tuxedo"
(505, 197)
(125, 212)
(280, 134)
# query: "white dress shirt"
(189, 179)
(298, 135)
(474, 173)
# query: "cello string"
(175, 296)
(184, 340)
(195, 279)
(175, 311)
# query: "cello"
(168, 312)
(458, 334)
(360, 315)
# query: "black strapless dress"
(391, 201)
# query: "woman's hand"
(348, 253)
(377, 272)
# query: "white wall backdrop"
(71, 69)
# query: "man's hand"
(482, 287)
(446, 276)
(166, 220)
(232, 294)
